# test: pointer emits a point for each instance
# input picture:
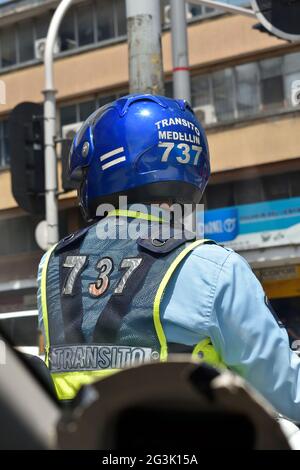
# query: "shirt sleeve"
(248, 337)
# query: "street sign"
(279, 17)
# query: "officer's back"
(109, 299)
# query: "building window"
(26, 41)
(78, 112)
(219, 195)
(67, 33)
(41, 25)
(193, 12)
(8, 47)
(105, 19)
(100, 20)
(68, 115)
(4, 150)
(223, 90)
(294, 185)
(248, 191)
(121, 17)
(202, 99)
(85, 24)
(245, 90)
(200, 90)
(169, 89)
(272, 91)
(86, 109)
(102, 100)
(251, 191)
(276, 187)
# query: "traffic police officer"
(109, 302)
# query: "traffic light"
(26, 141)
(279, 17)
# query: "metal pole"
(50, 125)
(225, 7)
(181, 73)
(144, 47)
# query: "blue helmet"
(149, 148)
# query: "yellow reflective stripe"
(159, 294)
(44, 301)
(67, 384)
(134, 215)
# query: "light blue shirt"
(215, 294)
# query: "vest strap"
(44, 302)
(160, 292)
(134, 215)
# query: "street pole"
(144, 47)
(50, 126)
(181, 73)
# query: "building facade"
(242, 83)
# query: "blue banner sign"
(222, 224)
(262, 224)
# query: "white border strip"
(105, 156)
(113, 162)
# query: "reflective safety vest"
(101, 302)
